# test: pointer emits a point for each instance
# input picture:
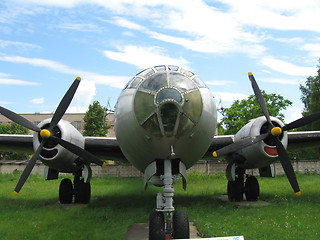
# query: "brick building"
(76, 119)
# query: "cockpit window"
(169, 115)
(160, 68)
(199, 82)
(143, 106)
(181, 82)
(169, 94)
(186, 72)
(152, 125)
(146, 73)
(167, 100)
(155, 82)
(135, 82)
(173, 68)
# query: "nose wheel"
(179, 229)
(162, 225)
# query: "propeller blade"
(302, 121)
(259, 97)
(236, 146)
(64, 104)
(79, 151)
(287, 166)
(28, 169)
(19, 120)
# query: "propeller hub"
(45, 133)
(276, 131)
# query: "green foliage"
(95, 121)
(311, 99)
(13, 128)
(242, 111)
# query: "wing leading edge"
(108, 148)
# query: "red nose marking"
(271, 151)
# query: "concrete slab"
(245, 203)
(140, 231)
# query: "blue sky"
(45, 44)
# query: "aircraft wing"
(16, 143)
(108, 148)
(103, 147)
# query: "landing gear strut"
(161, 222)
(80, 190)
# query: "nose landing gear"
(162, 225)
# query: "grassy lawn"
(119, 202)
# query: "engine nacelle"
(54, 155)
(263, 153)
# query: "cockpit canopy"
(167, 101)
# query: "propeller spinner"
(47, 134)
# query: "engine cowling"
(54, 155)
(263, 153)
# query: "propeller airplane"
(165, 121)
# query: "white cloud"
(282, 81)
(5, 44)
(201, 41)
(83, 97)
(144, 57)
(37, 100)
(313, 49)
(38, 62)
(280, 15)
(127, 24)
(292, 114)
(288, 68)
(6, 80)
(80, 27)
(9, 81)
(113, 81)
(237, 27)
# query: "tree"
(241, 112)
(311, 99)
(13, 128)
(95, 121)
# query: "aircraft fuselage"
(162, 111)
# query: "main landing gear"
(80, 190)
(164, 223)
(237, 186)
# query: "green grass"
(119, 202)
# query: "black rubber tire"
(66, 191)
(235, 191)
(83, 193)
(252, 190)
(180, 225)
(156, 226)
